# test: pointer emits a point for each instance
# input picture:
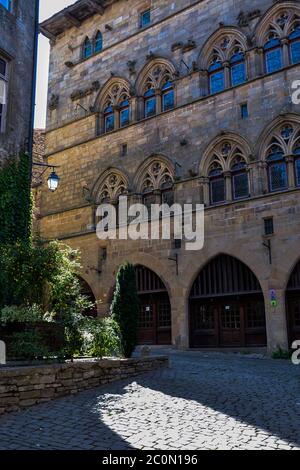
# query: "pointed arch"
(223, 149)
(87, 48)
(222, 42)
(279, 20)
(154, 74)
(274, 129)
(227, 305)
(98, 42)
(109, 186)
(154, 173)
(115, 89)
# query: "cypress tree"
(125, 308)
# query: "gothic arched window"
(124, 110)
(109, 118)
(294, 39)
(216, 183)
(240, 180)
(157, 184)
(150, 103)
(87, 48)
(273, 54)
(168, 97)
(238, 67)
(216, 75)
(98, 43)
(277, 169)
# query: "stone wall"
(21, 387)
(17, 41)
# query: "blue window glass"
(217, 186)
(98, 42)
(87, 48)
(217, 77)
(273, 56)
(6, 4)
(145, 18)
(278, 176)
(109, 119)
(297, 167)
(295, 45)
(244, 111)
(150, 103)
(238, 69)
(217, 82)
(124, 114)
(168, 97)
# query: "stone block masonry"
(22, 387)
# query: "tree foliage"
(125, 308)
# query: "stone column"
(250, 62)
(259, 61)
(290, 161)
(263, 183)
(101, 129)
(204, 85)
(158, 96)
(228, 185)
(285, 52)
(204, 182)
(134, 109)
(276, 320)
(117, 116)
(227, 74)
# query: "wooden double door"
(155, 322)
(228, 322)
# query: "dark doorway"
(88, 293)
(227, 306)
(155, 319)
(293, 305)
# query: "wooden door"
(294, 318)
(231, 320)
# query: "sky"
(47, 9)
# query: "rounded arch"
(223, 149)
(278, 20)
(154, 73)
(274, 129)
(226, 305)
(113, 182)
(87, 291)
(222, 42)
(113, 92)
(164, 168)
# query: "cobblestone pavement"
(203, 401)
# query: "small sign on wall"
(273, 298)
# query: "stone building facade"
(191, 102)
(18, 39)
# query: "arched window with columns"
(156, 89)
(278, 36)
(224, 60)
(224, 168)
(113, 184)
(87, 49)
(114, 104)
(281, 152)
(155, 182)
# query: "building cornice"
(73, 15)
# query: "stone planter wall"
(21, 387)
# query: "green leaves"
(16, 201)
(125, 308)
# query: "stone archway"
(226, 306)
(155, 319)
(293, 304)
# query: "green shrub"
(28, 346)
(281, 354)
(125, 308)
(101, 337)
(28, 314)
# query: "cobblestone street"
(203, 401)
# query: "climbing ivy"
(16, 202)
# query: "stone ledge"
(22, 387)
